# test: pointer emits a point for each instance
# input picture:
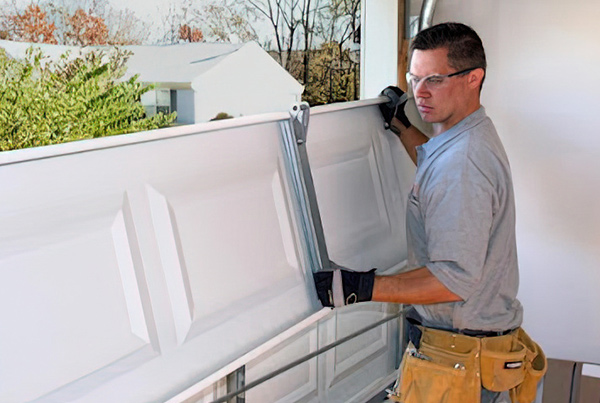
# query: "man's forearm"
(410, 138)
(417, 286)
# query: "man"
(463, 276)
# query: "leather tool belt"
(452, 367)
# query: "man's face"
(445, 103)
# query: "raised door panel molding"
(72, 301)
(366, 346)
(364, 363)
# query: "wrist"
(397, 126)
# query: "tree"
(340, 24)
(172, 19)
(124, 28)
(32, 26)
(46, 102)
(333, 76)
(340, 21)
(310, 11)
(66, 22)
(297, 25)
(285, 17)
(226, 22)
(86, 29)
(188, 34)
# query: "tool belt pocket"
(536, 366)
(503, 362)
(433, 374)
(428, 381)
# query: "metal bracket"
(299, 116)
(294, 137)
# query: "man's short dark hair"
(465, 49)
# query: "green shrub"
(222, 116)
(47, 102)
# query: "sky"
(148, 10)
(141, 7)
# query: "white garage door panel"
(360, 196)
(369, 359)
(132, 269)
(298, 384)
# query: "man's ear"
(475, 78)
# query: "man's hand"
(353, 286)
(395, 107)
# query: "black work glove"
(357, 286)
(393, 108)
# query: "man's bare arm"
(410, 138)
(417, 286)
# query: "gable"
(252, 67)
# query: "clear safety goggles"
(434, 81)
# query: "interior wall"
(542, 91)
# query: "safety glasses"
(434, 81)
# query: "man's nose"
(420, 90)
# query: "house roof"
(176, 64)
(179, 63)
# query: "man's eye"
(435, 80)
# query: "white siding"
(244, 83)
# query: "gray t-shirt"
(461, 226)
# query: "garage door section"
(133, 267)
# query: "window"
(157, 101)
